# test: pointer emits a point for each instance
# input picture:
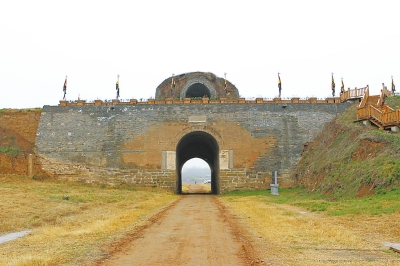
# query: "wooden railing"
(353, 94)
(363, 113)
(364, 99)
(391, 117)
(387, 92)
(375, 113)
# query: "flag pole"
(117, 87)
(279, 85)
(225, 88)
(172, 84)
(65, 88)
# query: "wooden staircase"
(374, 109)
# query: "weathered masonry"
(147, 144)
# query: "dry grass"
(69, 232)
(289, 235)
(185, 188)
(196, 188)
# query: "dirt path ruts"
(197, 230)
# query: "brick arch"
(198, 127)
(198, 144)
(202, 80)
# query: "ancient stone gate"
(147, 143)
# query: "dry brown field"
(289, 235)
(76, 231)
(96, 221)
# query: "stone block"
(277, 100)
(295, 100)
(312, 100)
(366, 123)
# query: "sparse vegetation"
(65, 230)
(315, 202)
(302, 228)
(8, 146)
(10, 149)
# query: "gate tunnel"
(197, 90)
(201, 145)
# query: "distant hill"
(351, 160)
(195, 174)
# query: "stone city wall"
(135, 143)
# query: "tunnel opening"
(196, 177)
(197, 90)
(198, 144)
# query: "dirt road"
(195, 231)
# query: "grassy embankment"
(74, 231)
(349, 159)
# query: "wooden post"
(369, 111)
(30, 165)
(398, 114)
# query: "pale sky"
(146, 41)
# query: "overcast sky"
(146, 41)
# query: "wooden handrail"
(353, 94)
(363, 113)
(375, 113)
(387, 92)
(364, 99)
(390, 117)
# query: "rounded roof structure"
(196, 85)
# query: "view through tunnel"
(198, 144)
(196, 177)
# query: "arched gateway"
(201, 145)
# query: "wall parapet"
(171, 101)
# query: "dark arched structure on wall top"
(194, 85)
(197, 90)
(198, 144)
